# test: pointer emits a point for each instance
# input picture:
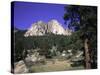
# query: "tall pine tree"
(84, 20)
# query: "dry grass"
(52, 66)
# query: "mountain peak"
(53, 20)
(40, 21)
(40, 28)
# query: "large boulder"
(20, 67)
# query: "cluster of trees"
(84, 20)
(45, 43)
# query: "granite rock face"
(20, 67)
(52, 27)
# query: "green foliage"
(18, 45)
(87, 25)
(45, 43)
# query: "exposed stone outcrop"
(53, 26)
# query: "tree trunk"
(87, 54)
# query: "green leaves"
(66, 16)
(87, 27)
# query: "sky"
(27, 13)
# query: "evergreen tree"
(84, 20)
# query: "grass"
(50, 66)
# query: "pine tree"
(84, 19)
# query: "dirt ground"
(50, 66)
(54, 65)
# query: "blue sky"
(26, 13)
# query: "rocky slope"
(52, 27)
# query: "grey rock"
(52, 27)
